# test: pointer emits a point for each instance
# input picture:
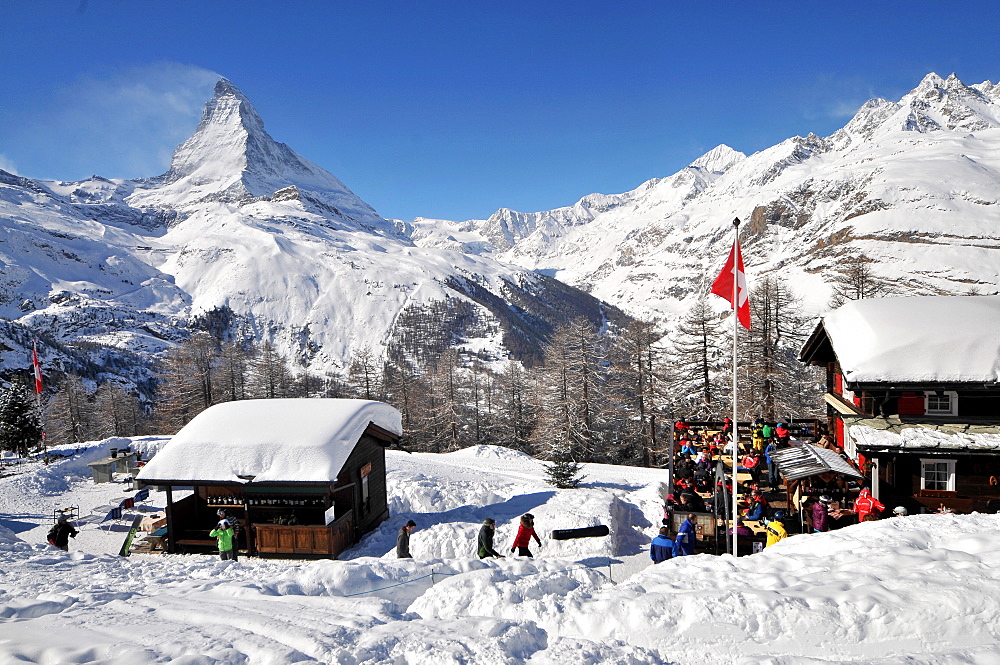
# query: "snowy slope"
(913, 185)
(916, 590)
(242, 224)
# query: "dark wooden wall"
(368, 450)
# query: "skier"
(686, 536)
(485, 542)
(781, 434)
(60, 533)
(772, 466)
(403, 540)
(224, 534)
(866, 504)
(775, 528)
(662, 547)
(525, 532)
(821, 514)
(766, 432)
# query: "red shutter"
(910, 404)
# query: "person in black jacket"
(403, 540)
(60, 534)
(486, 539)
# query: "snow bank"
(920, 589)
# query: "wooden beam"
(842, 406)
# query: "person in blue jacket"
(662, 547)
(772, 467)
(686, 536)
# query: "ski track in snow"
(922, 589)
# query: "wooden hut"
(913, 395)
(302, 477)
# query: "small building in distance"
(913, 395)
(302, 477)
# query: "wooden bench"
(197, 542)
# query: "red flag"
(37, 367)
(723, 285)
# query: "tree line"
(597, 395)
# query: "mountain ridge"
(862, 185)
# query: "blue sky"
(455, 109)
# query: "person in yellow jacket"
(774, 528)
(224, 534)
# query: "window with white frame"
(937, 474)
(942, 403)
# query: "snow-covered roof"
(923, 438)
(932, 339)
(300, 440)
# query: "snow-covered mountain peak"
(938, 103)
(718, 159)
(230, 158)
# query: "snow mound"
(492, 452)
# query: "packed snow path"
(921, 589)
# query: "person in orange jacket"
(525, 532)
(866, 504)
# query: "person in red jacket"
(525, 532)
(866, 504)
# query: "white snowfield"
(920, 589)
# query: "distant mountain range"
(913, 185)
(243, 230)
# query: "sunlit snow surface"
(921, 589)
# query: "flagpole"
(736, 428)
(36, 369)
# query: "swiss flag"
(723, 285)
(36, 367)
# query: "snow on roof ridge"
(927, 339)
(302, 440)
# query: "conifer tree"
(70, 414)
(20, 422)
(770, 371)
(639, 383)
(568, 394)
(515, 415)
(563, 474)
(697, 360)
(854, 279)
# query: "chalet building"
(913, 396)
(302, 477)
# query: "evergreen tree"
(563, 474)
(20, 422)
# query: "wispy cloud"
(7, 164)
(126, 124)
